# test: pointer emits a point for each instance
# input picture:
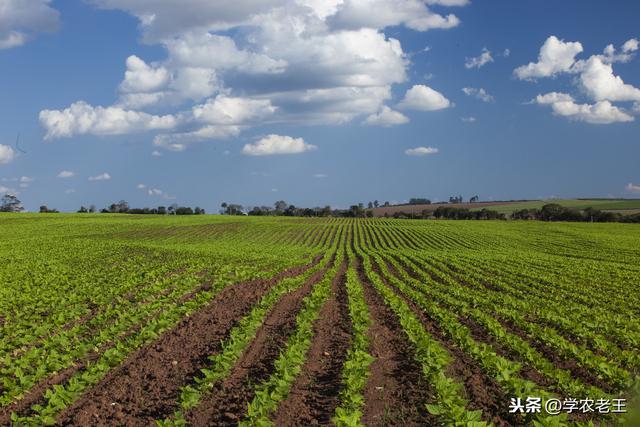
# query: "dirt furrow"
(314, 395)
(482, 391)
(228, 400)
(396, 391)
(146, 386)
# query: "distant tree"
(474, 199)
(10, 203)
(83, 210)
(199, 211)
(376, 203)
(419, 201)
(326, 211)
(290, 211)
(162, 210)
(182, 210)
(44, 209)
(370, 205)
(280, 206)
(172, 209)
(92, 209)
(386, 204)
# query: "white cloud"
(70, 191)
(66, 174)
(81, 118)
(25, 181)
(556, 56)
(479, 61)
(141, 186)
(288, 61)
(320, 175)
(479, 93)
(423, 98)
(277, 144)
(385, 13)
(141, 77)
(630, 45)
(506, 53)
(225, 110)
(386, 117)
(421, 151)
(4, 189)
(156, 153)
(20, 20)
(6, 154)
(102, 177)
(469, 119)
(602, 112)
(599, 83)
(632, 187)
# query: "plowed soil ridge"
(396, 391)
(227, 402)
(314, 395)
(147, 385)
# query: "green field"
(212, 320)
(601, 204)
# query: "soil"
(396, 391)
(227, 402)
(146, 386)
(314, 395)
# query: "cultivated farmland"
(132, 320)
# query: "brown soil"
(314, 395)
(396, 391)
(146, 386)
(228, 400)
(482, 391)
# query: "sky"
(317, 102)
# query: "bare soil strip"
(482, 391)
(146, 386)
(396, 391)
(314, 395)
(228, 400)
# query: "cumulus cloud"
(469, 119)
(479, 61)
(599, 82)
(82, 118)
(602, 112)
(310, 61)
(66, 174)
(423, 98)
(633, 187)
(421, 151)
(595, 78)
(320, 175)
(20, 20)
(479, 93)
(630, 45)
(386, 117)
(385, 13)
(7, 154)
(277, 144)
(556, 56)
(102, 177)
(156, 153)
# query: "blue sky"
(317, 101)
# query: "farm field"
(212, 320)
